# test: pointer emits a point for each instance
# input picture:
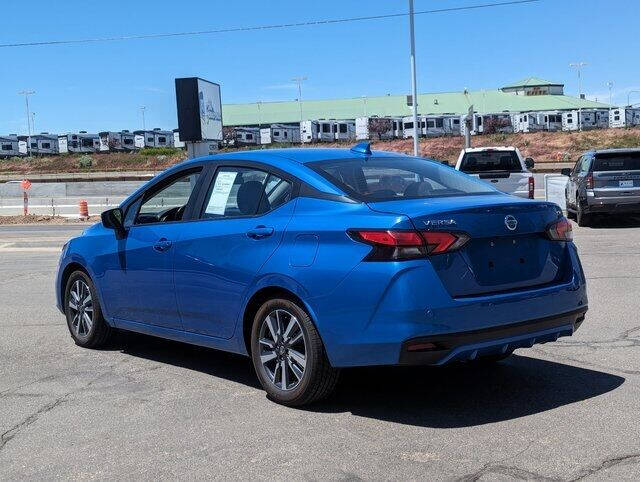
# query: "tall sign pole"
(414, 88)
(26, 94)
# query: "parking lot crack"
(607, 464)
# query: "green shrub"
(85, 162)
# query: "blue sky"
(100, 86)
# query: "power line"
(260, 27)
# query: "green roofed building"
(530, 94)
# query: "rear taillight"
(589, 181)
(560, 230)
(532, 187)
(397, 245)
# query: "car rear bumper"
(613, 204)
(442, 349)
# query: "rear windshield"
(388, 179)
(488, 161)
(629, 161)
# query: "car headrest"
(248, 197)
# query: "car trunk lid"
(508, 248)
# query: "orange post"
(84, 209)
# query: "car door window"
(169, 202)
(584, 166)
(237, 191)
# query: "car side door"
(242, 217)
(138, 277)
(571, 184)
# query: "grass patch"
(159, 151)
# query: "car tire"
(583, 219)
(85, 321)
(289, 356)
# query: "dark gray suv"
(605, 181)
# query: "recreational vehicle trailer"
(285, 133)
(246, 136)
(617, 118)
(632, 116)
(476, 125)
(9, 146)
(265, 135)
(326, 130)
(345, 130)
(397, 127)
(435, 126)
(110, 141)
(374, 128)
(526, 122)
(571, 120)
(39, 144)
(309, 131)
(80, 142)
(550, 120)
(176, 139)
(153, 138)
(407, 127)
(128, 140)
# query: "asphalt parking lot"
(150, 409)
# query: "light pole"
(299, 81)
(142, 109)
(578, 66)
(414, 88)
(629, 95)
(26, 94)
(33, 122)
(610, 85)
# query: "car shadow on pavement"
(615, 221)
(464, 395)
(459, 395)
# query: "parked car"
(503, 167)
(309, 260)
(605, 181)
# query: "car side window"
(237, 191)
(576, 168)
(584, 167)
(169, 202)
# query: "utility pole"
(610, 85)
(142, 109)
(414, 88)
(578, 66)
(26, 94)
(299, 81)
(33, 122)
(629, 95)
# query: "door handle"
(163, 244)
(260, 232)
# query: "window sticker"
(220, 193)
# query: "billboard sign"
(199, 110)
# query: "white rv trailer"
(326, 130)
(309, 131)
(407, 127)
(439, 125)
(285, 133)
(265, 135)
(526, 122)
(617, 118)
(110, 141)
(570, 120)
(80, 142)
(9, 146)
(397, 127)
(365, 127)
(344, 130)
(246, 136)
(153, 138)
(176, 139)
(632, 116)
(43, 143)
(128, 140)
(550, 120)
(451, 124)
(476, 125)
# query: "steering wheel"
(172, 214)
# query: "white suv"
(503, 167)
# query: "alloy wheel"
(283, 350)
(81, 308)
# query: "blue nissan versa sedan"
(310, 260)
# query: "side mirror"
(114, 219)
(565, 172)
(528, 162)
